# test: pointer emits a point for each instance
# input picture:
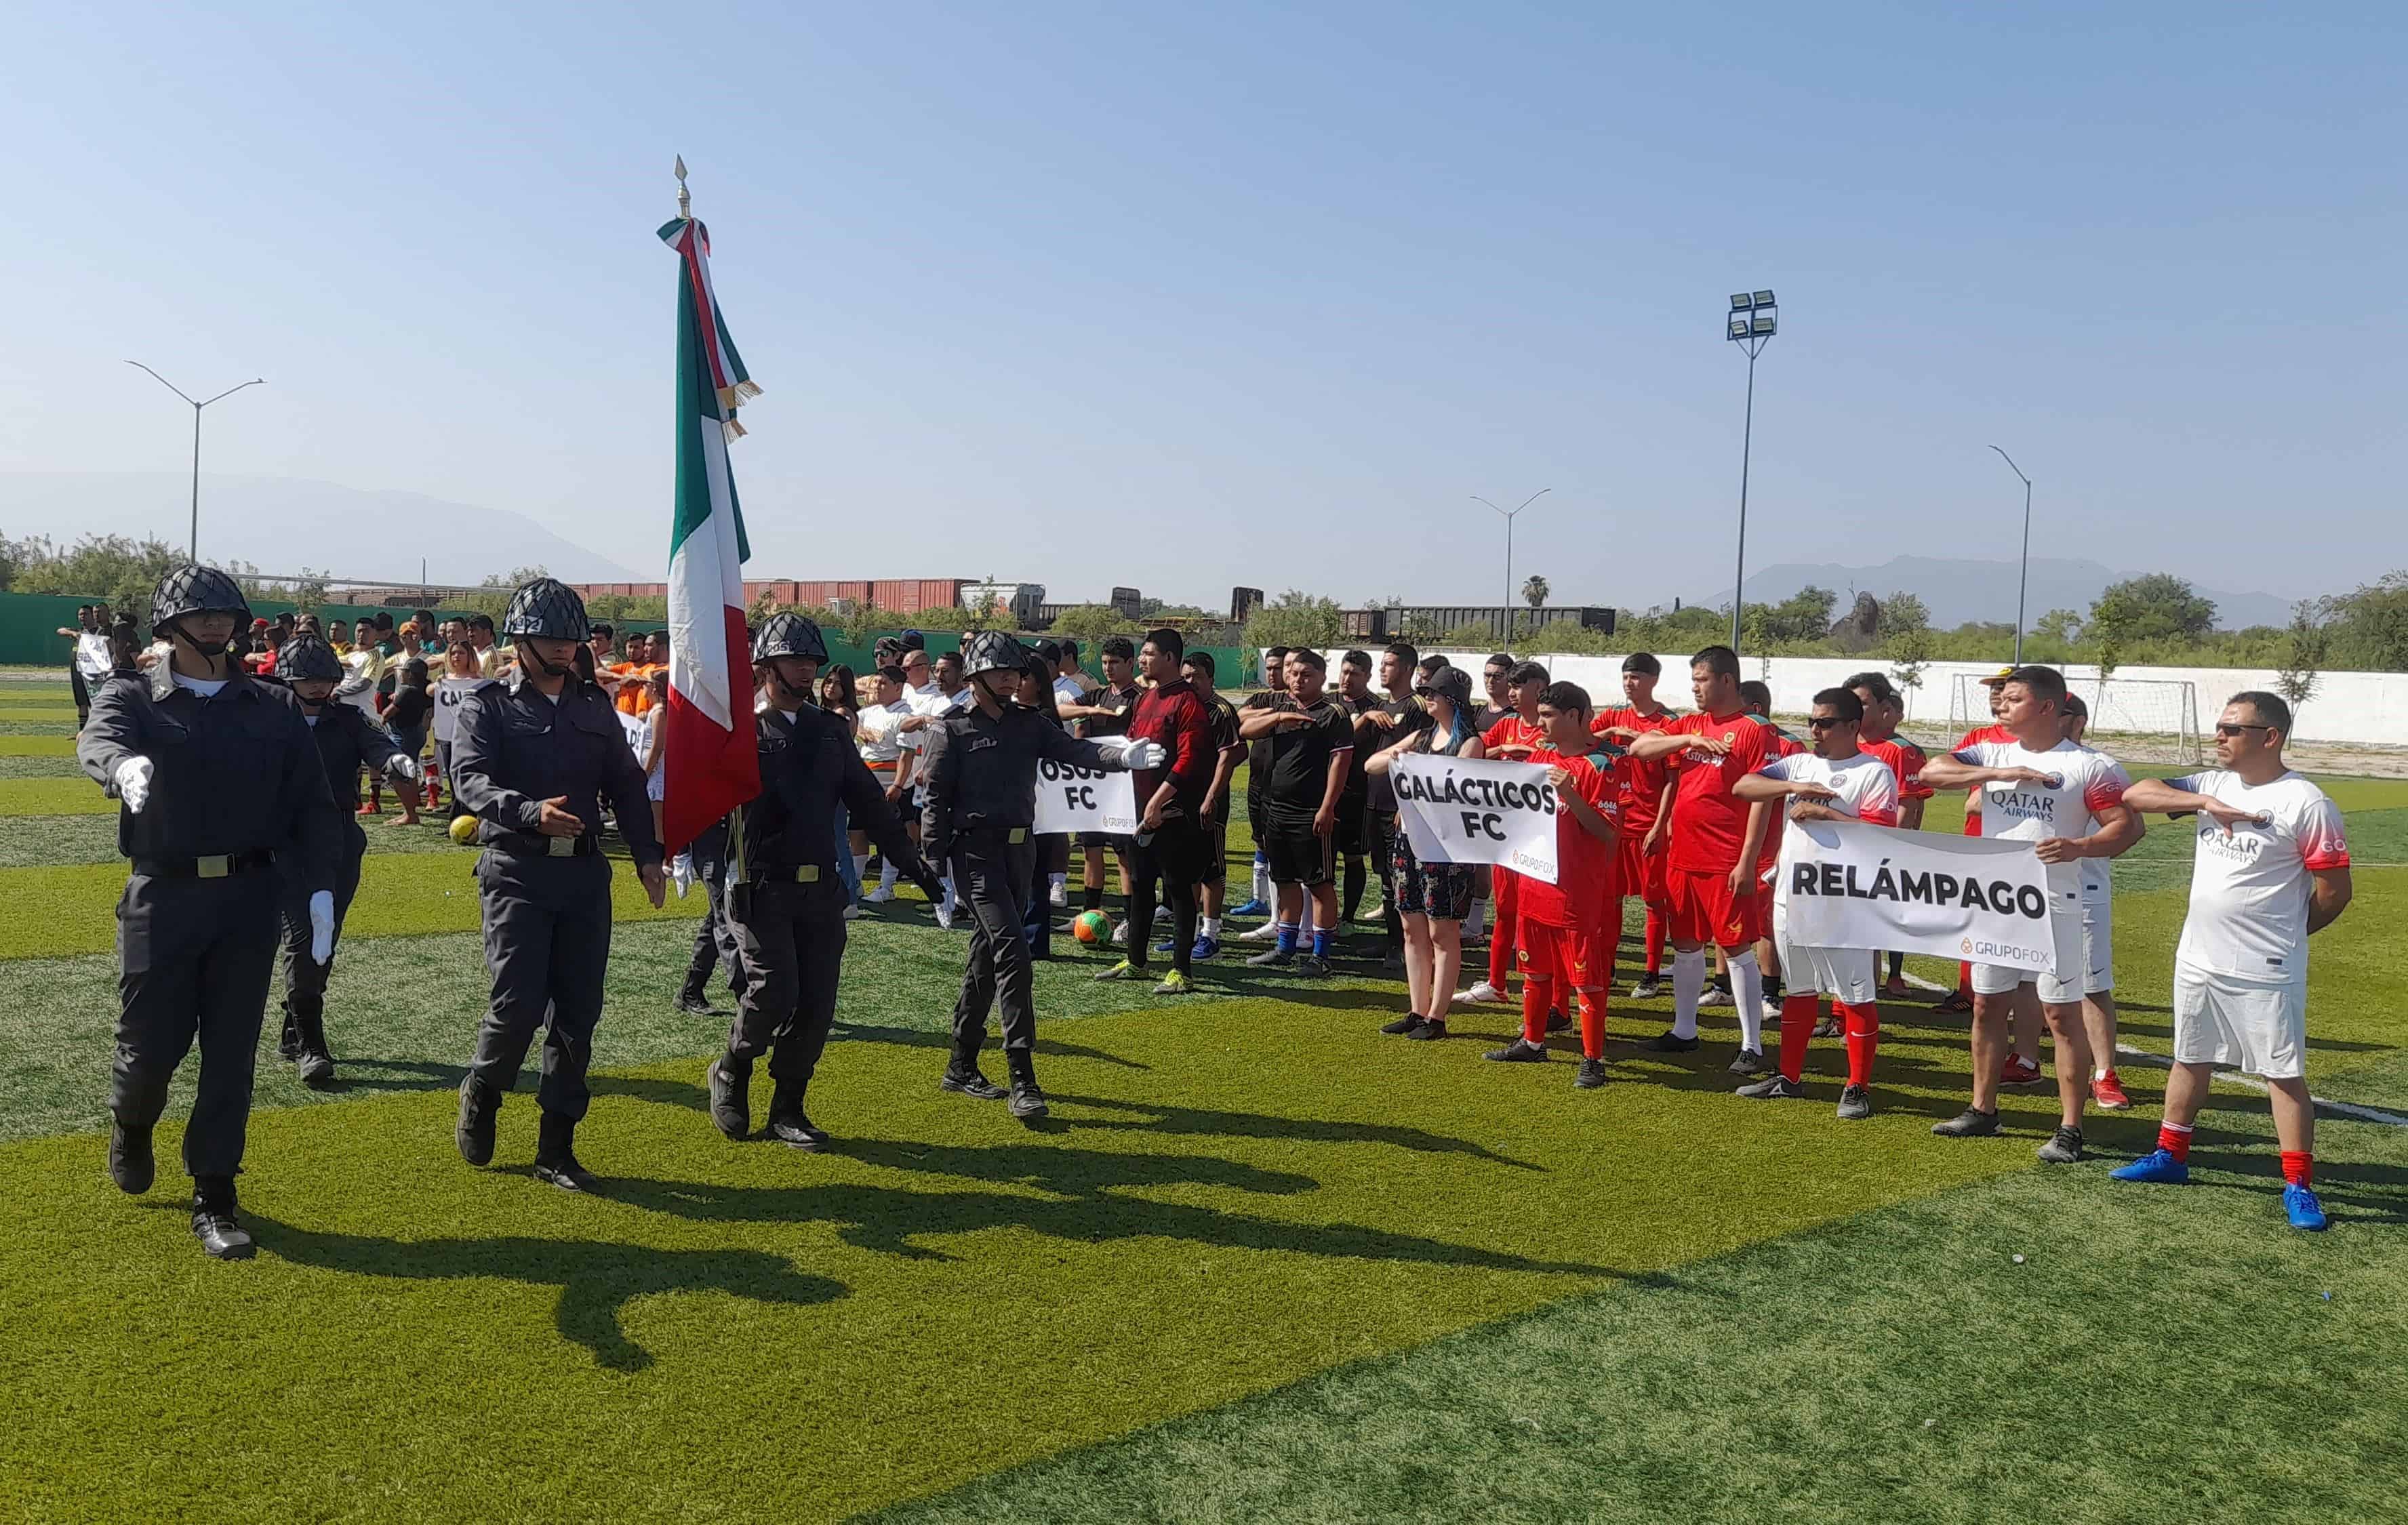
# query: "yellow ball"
(464, 830)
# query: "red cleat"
(368, 810)
(2107, 1092)
(1896, 989)
(1954, 1001)
(2019, 1071)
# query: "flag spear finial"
(686, 202)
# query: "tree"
(2061, 626)
(1296, 619)
(1906, 639)
(114, 568)
(2157, 607)
(2306, 644)
(1534, 592)
(1803, 616)
(2370, 627)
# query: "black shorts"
(1298, 854)
(1179, 852)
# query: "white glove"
(681, 873)
(1144, 754)
(134, 783)
(403, 768)
(321, 925)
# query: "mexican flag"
(709, 762)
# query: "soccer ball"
(464, 830)
(1092, 927)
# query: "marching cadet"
(219, 781)
(534, 755)
(347, 742)
(785, 896)
(982, 803)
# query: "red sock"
(1592, 1020)
(2174, 1139)
(1964, 978)
(1535, 990)
(1864, 1035)
(2298, 1166)
(1797, 1011)
(1655, 941)
(1501, 940)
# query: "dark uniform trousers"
(193, 960)
(715, 941)
(1176, 858)
(995, 874)
(547, 941)
(792, 940)
(305, 978)
(1380, 836)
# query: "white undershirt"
(207, 687)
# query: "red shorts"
(1640, 874)
(1581, 955)
(1703, 909)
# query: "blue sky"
(1185, 297)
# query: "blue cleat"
(2157, 1166)
(2301, 1206)
(1205, 947)
(1166, 947)
(1252, 907)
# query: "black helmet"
(547, 608)
(789, 636)
(197, 590)
(991, 650)
(306, 656)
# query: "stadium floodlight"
(1511, 514)
(2023, 576)
(1753, 324)
(198, 404)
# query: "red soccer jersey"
(1642, 784)
(1904, 760)
(1707, 825)
(1515, 731)
(1585, 866)
(1768, 852)
(1973, 797)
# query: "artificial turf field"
(1263, 1263)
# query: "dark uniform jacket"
(513, 749)
(234, 774)
(982, 772)
(348, 742)
(808, 766)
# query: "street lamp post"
(196, 547)
(1509, 548)
(2022, 572)
(1753, 321)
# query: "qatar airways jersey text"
(2085, 783)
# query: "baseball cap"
(1999, 677)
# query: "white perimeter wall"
(2363, 707)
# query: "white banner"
(1854, 885)
(633, 727)
(1100, 800)
(1456, 810)
(448, 695)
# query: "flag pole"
(735, 818)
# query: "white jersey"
(2249, 891)
(2086, 783)
(882, 724)
(2095, 881)
(93, 656)
(1862, 786)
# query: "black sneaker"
(1274, 958)
(474, 1131)
(1747, 1061)
(1970, 1123)
(1027, 1100)
(695, 1003)
(1775, 1087)
(1558, 1021)
(562, 1171)
(1520, 1051)
(2064, 1148)
(221, 1237)
(131, 1165)
(1591, 1076)
(1317, 968)
(1403, 1025)
(796, 1130)
(1431, 1030)
(1669, 1042)
(1647, 989)
(973, 1084)
(1855, 1103)
(729, 1080)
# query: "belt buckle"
(1017, 834)
(560, 846)
(213, 865)
(808, 874)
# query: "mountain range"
(283, 524)
(1957, 591)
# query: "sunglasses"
(2226, 730)
(1825, 723)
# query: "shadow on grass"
(595, 1279)
(942, 1038)
(1160, 1118)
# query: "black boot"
(315, 1061)
(730, 1079)
(962, 1077)
(1027, 1099)
(556, 1159)
(288, 1044)
(788, 1123)
(213, 1222)
(692, 998)
(474, 1132)
(130, 1163)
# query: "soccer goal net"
(2142, 719)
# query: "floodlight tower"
(1754, 320)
